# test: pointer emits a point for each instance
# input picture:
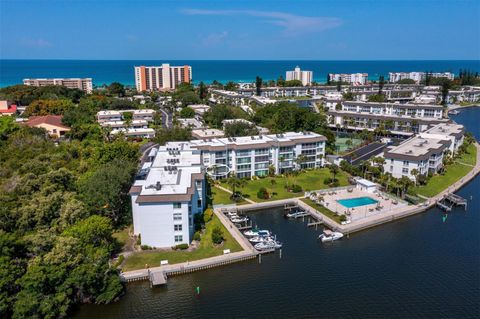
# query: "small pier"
(450, 200)
(157, 278)
(443, 205)
(288, 207)
(456, 200)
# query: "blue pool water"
(354, 202)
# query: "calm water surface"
(417, 267)
(107, 71)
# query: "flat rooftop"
(446, 129)
(258, 141)
(172, 171)
(416, 148)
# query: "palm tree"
(415, 173)
(405, 183)
(334, 171)
(234, 182)
(300, 160)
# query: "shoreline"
(249, 252)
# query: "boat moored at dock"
(329, 235)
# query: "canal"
(416, 267)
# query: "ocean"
(107, 71)
(416, 267)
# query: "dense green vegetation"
(240, 129)
(59, 205)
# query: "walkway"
(230, 192)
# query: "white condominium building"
(71, 83)
(168, 192)
(297, 74)
(249, 156)
(354, 78)
(394, 77)
(423, 152)
(399, 118)
(113, 116)
(160, 78)
(137, 127)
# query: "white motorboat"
(261, 239)
(329, 235)
(453, 112)
(271, 244)
(239, 220)
(296, 214)
(256, 232)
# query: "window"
(391, 168)
(404, 170)
(177, 205)
(177, 227)
(177, 216)
(199, 203)
(405, 163)
(178, 238)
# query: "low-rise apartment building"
(394, 77)
(136, 127)
(424, 152)
(399, 118)
(166, 195)
(250, 156)
(353, 78)
(84, 84)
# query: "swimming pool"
(359, 201)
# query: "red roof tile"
(55, 120)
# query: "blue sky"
(319, 30)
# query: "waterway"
(418, 267)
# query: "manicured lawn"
(206, 249)
(470, 157)
(122, 236)
(308, 180)
(222, 197)
(325, 211)
(454, 172)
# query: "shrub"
(145, 247)
(343, 218)
(336, 183)
(327, 180)
(181, 246)
(296, 188)
(196, 236)
(217, 235)
(263, 193)
(207, 215)
(119, 261)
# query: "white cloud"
(35, 43)
(214, 38)
(291, 24)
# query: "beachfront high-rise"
(161, 78)
(71, 83)
(353, 78)
(297, 74)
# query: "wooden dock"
(157, 278)
(444, 206)
(456, 200)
